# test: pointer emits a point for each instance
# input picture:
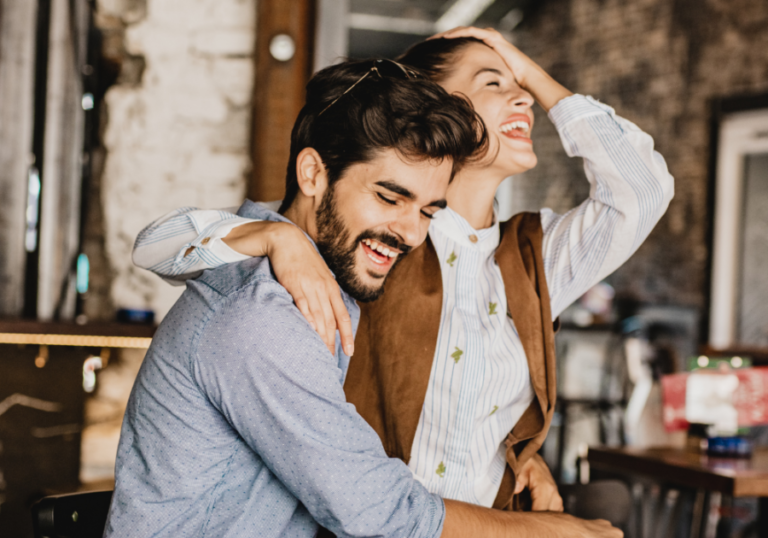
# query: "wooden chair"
(601, 499)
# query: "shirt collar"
(451, 224)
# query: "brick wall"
(178, 123)
(658, 63)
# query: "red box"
(750, 399)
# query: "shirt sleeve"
(630, 190)
(281, 389)
(187, 241)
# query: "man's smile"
(383, 256)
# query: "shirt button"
(473, 238)
(207, 239)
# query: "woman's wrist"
(280, 234)
(256, 238)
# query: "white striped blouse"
(479, 384)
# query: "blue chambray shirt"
(238, 426)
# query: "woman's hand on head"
(528, 74)
(518, 63)
(303, 273)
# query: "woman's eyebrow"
(487, 70)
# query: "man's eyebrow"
(402, 191)
(397, 189)
(486, 70)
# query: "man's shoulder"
(228, 279)
(248, 292)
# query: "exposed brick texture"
(659, 63)
(178, 125)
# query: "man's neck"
(301, 214)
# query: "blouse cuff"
(209, 243)
(576, 107)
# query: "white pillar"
(17, 64)
(62, 160)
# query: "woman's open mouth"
(517, 127)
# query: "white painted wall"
(181, 137)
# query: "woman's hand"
(303, 273)
(528, 74)
(536, 477)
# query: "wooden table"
(98, 335)
(42, 406)
(678, 467)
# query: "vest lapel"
(524, 285)
(521, 263)
(394, 347)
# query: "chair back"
(601, 499)
(76, 515)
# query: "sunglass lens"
(389, 68)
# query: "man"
(238, 424)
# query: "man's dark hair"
(415, 117)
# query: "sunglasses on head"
(382, 68)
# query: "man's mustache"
(385, 239)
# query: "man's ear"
(311, 174)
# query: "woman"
(457, 389)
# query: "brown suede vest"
(396, 339)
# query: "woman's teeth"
(515, 125)
(378, 247)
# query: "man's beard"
(333, 244)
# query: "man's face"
(375, 214)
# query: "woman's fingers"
(320, 302)
(483, 34)
(547, 499)
(303, 273)
(556, 503)
(303, 306)
(325, 325)
(343, 321)
(329, 317)
(447, 34)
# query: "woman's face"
(505, 107)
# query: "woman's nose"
(521, 98)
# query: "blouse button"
(473, 238)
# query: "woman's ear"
(311, 174)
